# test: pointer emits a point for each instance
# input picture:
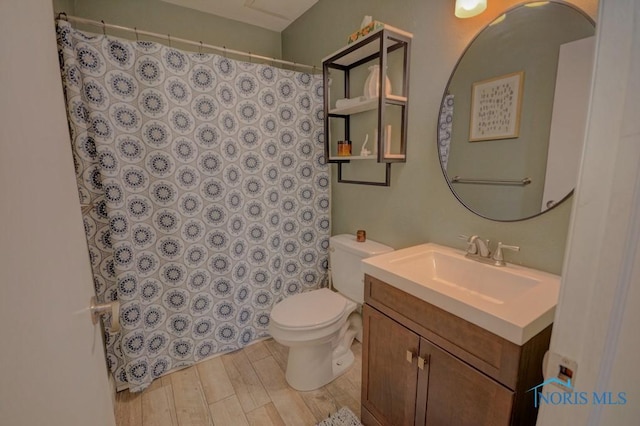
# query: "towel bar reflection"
(515, 182)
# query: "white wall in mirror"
(569, 119)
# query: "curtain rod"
(199, 44)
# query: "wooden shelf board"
(354, 157)
(367, 48)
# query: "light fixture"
(469, 8)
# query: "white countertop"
(513, 302)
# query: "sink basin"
(495, 285)
(513, 302)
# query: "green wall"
(166, 18)
(67, 6)
(418, 207)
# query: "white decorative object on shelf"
(387, 140)
(364, 152)
(372, 83)
(375, 142)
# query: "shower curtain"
(205, 193)
(445, 124)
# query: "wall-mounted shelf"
(389, 109)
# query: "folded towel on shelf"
(347, 102)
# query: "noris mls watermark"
(573, 397)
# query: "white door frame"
(599, 307)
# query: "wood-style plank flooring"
(246, 387)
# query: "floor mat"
(342, 417)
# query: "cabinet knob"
(410, 356)
(421, 363)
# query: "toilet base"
(311, 367)
(342, 363)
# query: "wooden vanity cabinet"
(424, 366)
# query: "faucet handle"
(483, 247)
(471, 247)
(504, 246)
(499, 257)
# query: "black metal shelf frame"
(375, 46)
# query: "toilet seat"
(309, 310)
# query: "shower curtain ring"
(60, 16)
(135, 30)
(250, 58)
(224, 49)
(200, 49)
(104, 28)
(169, 38)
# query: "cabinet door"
(389, 379)
(458, 394)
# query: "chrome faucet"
(478, 247)
(479, 250)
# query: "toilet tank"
(345, 254)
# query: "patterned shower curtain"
(445, 130)
(206, 194)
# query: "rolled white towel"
(347, 102)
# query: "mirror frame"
(444, 172)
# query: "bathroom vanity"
(424, 365)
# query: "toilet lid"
(309, 310)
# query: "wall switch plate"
(561, 371)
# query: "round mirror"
(513, 116)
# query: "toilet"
(319, 326)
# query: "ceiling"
(274, 15)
